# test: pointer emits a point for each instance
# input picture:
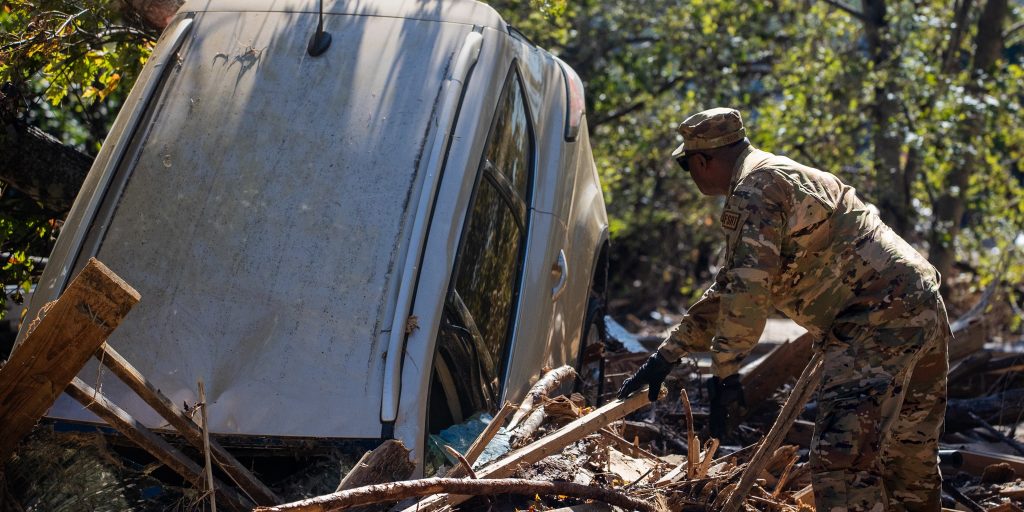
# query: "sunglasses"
(684, 160)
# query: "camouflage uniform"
(800, 241)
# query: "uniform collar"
(751, 158)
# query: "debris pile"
(558, 449)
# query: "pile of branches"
(570, 453)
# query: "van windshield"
(263, 211)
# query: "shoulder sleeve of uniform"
(760, 203)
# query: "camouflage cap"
(710, 129)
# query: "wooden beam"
(152, 443)
(183, 423)
(549, 445)
(57, 346)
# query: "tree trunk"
(39, 166)
(951, 206)
(892, 188)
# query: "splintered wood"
(58, 346)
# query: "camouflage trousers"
(881, 407)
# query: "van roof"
(468, 12)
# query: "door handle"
(560, 270)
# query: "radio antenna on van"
(321, 40)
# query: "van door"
(479, 314)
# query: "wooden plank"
(152, 443)
(763, 377)
(58, 346)
(548, 445)
(183, 423)
(805, 496)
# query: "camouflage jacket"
(800, 241)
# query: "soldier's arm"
(745, 296)
(695, 330)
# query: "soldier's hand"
(652, 373)
(727, 404)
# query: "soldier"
(800, 241)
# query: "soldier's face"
(705, 175)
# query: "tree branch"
(398, 491)
(963, 8)
(1012, 30)
(637, 105)
(40, 166)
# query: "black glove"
(652, 373)
(727, 404)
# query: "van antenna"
(321, 40)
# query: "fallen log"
(999, 409)
(58, 346)
(522, 433)
(548, 383)
(969, 366)
(388, 462)
(397, 491)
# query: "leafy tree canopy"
(915, 104)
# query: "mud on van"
(381, 239)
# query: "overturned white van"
(400, 231)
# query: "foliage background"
(917, 104)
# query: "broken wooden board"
(58, 346)
(805, 496)
(184, 424)
(551, 444)
(628, 469)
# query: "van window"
(480, 307)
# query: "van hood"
(263, 211)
